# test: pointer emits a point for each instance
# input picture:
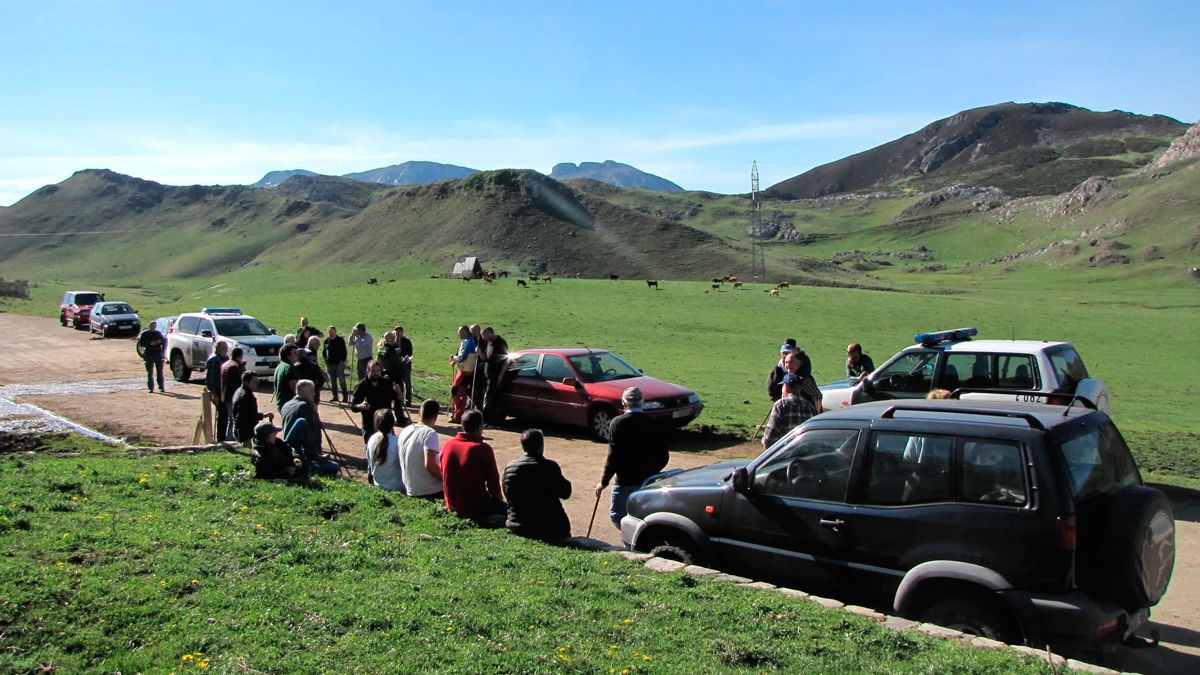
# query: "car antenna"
(1069, 404)
(585, 347)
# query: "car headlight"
(694, 399)
(653, 405)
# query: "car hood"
(704, 476)
(117, 317)
(838, 384)
(652, 388)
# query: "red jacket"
(470, 480)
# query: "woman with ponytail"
(383, 460)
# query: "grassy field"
(116, 562)
(1133, 333)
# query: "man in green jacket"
(285, 376)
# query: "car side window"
(814, 465)
(205, 325)
(908, 468)
(911, 373)
(555, 369)
(524, 366)
(187, 325)
(992, 472)
(973, 371)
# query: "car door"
(908, 375)
(520, 386)
(202, 346)
(791, 522)
(558, 401)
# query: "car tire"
(979, 613)
(62, 319)
(1130, 551)
(75, 324)
(675, 549)
(599, 420)
(179, 369)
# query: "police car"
(1009, 370)
(194, 336)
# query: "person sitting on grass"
(420, 454)
(470, 480)
(302, 429)
(383, 454)
(535, 487)
(245, 409)
(272, 458)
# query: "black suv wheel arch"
(931, 582)
(674, 529)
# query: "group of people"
(481, 358)
(793, 391)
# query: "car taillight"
(1067, 533)
(170, 329)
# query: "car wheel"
(62, 318)
(975, 614)
(77, 326)
(675, 547)
(598, 422)
(179, 369)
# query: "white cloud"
(716, 158)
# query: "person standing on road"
(464, 363)
(152, 343)
(333, 349)
(798, 363)
(535, 488)
(302, 429)
(495, 360)
(285, 376)
(388, 357)
(376, 392)
(775, 377)
(858, 364)
(212, 380)
(789, 412)
(420, 454)
(470, 480)
(405, 347)
(364, 348)
(231, 381)
(305, 331)
(637, 449)
(244, 409)
(308, 368)
(383, 454)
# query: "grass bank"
(170, 563)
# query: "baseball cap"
(632, 395)
(790, 379)
(786, 348)
(264, 428)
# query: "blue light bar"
(222, 310)
(945, 335)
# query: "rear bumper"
(1074, 617)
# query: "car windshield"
(240, 327)
(603, 367)
(119, 308)
(86, 298)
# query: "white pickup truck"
(1021, 370)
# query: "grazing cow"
(783, 284)
(717, 286)
(774, 292)
(487, 279)
(652, 283)
(547, 279)
(733, 280)
(614, 277)
(737, 284)
(372, 281)
(717, 280)
(521, 283)
(503, 274)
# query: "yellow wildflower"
(185, 658)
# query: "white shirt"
(416, 440)
(388, 475)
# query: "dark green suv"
(1019, 522)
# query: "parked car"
(1009, 520)
(582, 387)
(162, 324)
(76, 308)
(193, 337)
(985, 369)
(111, 317)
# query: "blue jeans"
(337, 373)
(620, 495)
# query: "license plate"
(681, 413)
(125, 323)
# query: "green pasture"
(122, 563)
(1137, 335)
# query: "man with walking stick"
(463, 363)
(637, 449)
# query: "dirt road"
(101, 384)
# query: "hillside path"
(100, 384)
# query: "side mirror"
(272, 331)
(570, 382)
(641, 371)
(741, 480)
(206, 333)
(868, 385)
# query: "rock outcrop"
(1186, 146)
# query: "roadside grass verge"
(171, 563)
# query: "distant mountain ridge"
(405, 173)
(1022, 148)
(614, 173)
(274, 178)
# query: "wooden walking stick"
(593, 520)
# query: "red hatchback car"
(583, 387)
(76, 308)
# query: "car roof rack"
(1087, 403)
(1030, 419)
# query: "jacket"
(231, 379)
(245, 414)
(363, 344)
(534, 487)
(775, 381)
(275, 460)
(334, 350)
(152, 343)
(389, 358)
(212, 375)
(298, 409)
(637, 449)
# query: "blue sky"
(221, 92)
